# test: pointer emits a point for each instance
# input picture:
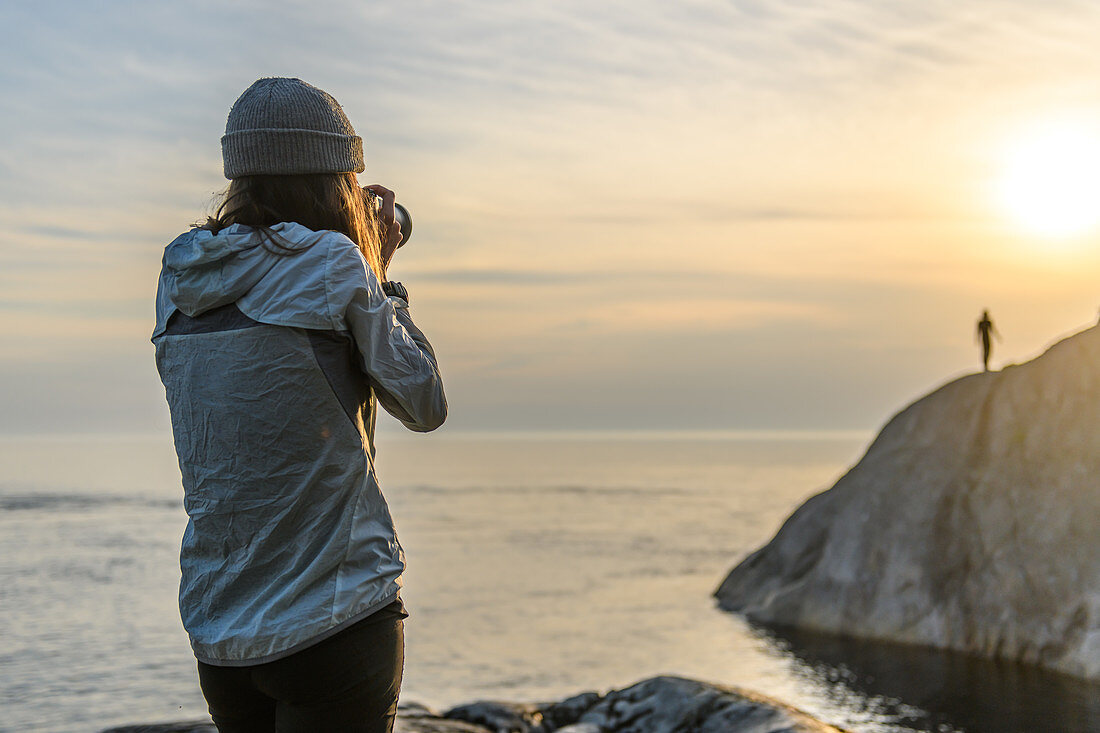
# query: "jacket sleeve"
(393, 353)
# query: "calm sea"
(540, 566)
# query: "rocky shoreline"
(969, 525)
(655, 705)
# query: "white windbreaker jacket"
(271, 366)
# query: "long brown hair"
(317, 201)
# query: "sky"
(700, 215)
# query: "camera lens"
(404, 218)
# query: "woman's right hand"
(389, 228)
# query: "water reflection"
(930, 690)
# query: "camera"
(401, 214)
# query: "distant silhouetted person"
(986, 331)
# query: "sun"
(1050, 184)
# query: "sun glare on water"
(1051, 181)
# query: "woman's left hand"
(389, 229)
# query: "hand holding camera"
(395, 222)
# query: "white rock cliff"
(972, 523)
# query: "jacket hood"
(203, 270)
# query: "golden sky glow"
(1051, 181)
(733, 215)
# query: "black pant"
(348, 682)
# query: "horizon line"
(715, 434)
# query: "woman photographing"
(277, 336)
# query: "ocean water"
(539, 566)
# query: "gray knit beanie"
(285, 126)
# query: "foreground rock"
(970, 524)
(655, 705)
